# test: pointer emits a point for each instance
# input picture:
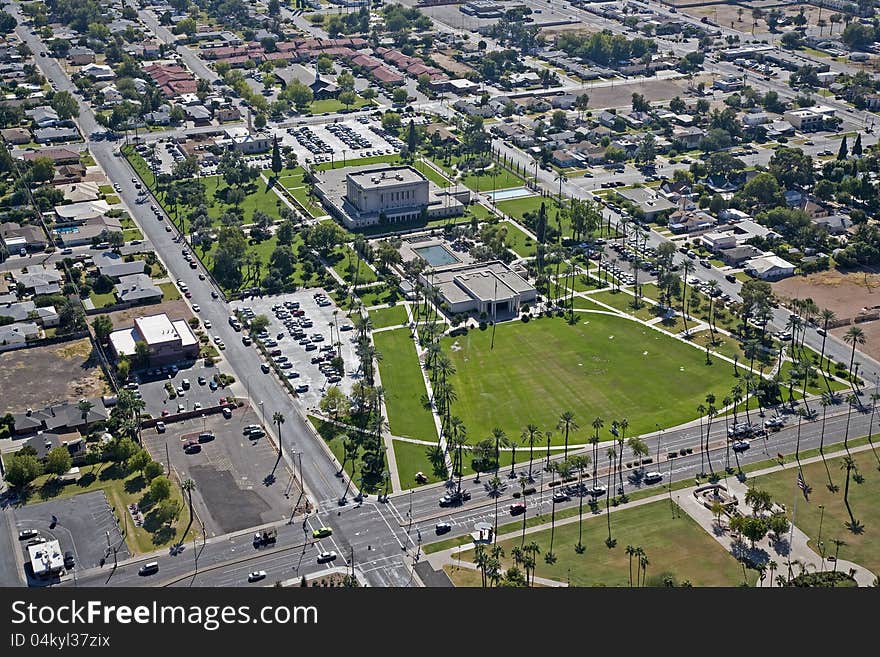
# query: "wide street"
(384, 536)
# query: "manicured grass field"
(402, 380)
(623, 302)
(487, 182)
(522, 244)
(102, 300)
(412, 458)
(517, 207)
(347, 264)
(392, 316)
(375, 159)
(605, 366)
(864, 548)
(679, 547)
(333, 105)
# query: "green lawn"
(518, 241)
(486, 182)
(677, 547)
(517, 207)
(122, 488)
(333, 436)
(102, 300)
(292, 181)
(624, 303)
(377, 295)
(402, 380)
(863, 548)
(338, 163)
(391, 316)
(169, 292)
(412, 458)
(350, 266)
(605, 366)
(333, 105)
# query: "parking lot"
(194, 387)
(353, 139)
(230, 471)
(82, 527)
(296, 354)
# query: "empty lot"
(32, 378)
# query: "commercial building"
(370, 195)
(805, 119)
(168, 341)
(46, 559)
(486, 287)
(770, 268)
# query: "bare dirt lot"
(845, 293)
(32, 378)
(872, 337)
(729, 16)
(620, 94)
(174, 309)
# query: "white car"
(257, 575)
(653, 477)
(325, 557)
(196, 308)
(207, 323)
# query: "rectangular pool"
(436, 255)
(507, 194)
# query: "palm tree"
(623, 425)
(567, 423)
(500, 439)
(849, 465)
(630, 552)
(687, 267)
(825, 401)
(188, 486)
(523, 484)
(531, 435)
(701, 409)
(638, 553)
(772, 565)
(854, 336)
(278, 420)
(612, 455)
(598, 423)
(643, 566)
(828, 316)
(457, 440)
(725, 403)
(581, 462)
(495, 486)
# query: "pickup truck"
(265, 537)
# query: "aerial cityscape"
(439, 293)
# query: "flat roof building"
(486, 287)
(167, 340)
(46, 559)
(370, 195)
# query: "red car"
(517, 509)
(188, 294)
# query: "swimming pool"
(66, 230)
(507, 194)
(436, 255)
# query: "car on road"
(325, 557)
(560, 496)
(517, 509)
(730, 277)
(149, 568)
(653, 477)
(442, 528)
(322, 532)
(69, 560)
(27, 533)
(705, 263)
(774, 423)
(740, 446)
(265, 367)
(257, 575)
(160, 427)
(598, 490)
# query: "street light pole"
(819, 537)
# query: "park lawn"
(122, 488)
(481, 212)
(102, 300)
(431, 174)
(487, 182)
(333, 435)
(725, 345)
(576, 284)
(377, 295)
(350, 266)
(864, 548)
(400, 371)
(263, 251)
(464, 577)
(516, 240)
(604, 366)
(292, 181)
(169, 291)
(333, 105)
(816, 386)
(584, 303)
(106, 189)
(412, 458)
(391, 316)
(678, 547)
(623, 302)
(517, 207)
(130, 234)
(675, 325)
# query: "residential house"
(39, 280)
(769, 268)
(17, 335)
(28, 311)
(80, 192)
(717, 241)
(16, 136)
(566, 158)
(226, 114)
(57, 155)
(563, 102)
(648, 201)
(161, 116)
(55, 135)
(690, 137)
(28, 236)
(198, 114)
(690, 221)
(80, 56)
(58, 418)
(81, 212)
(43, 116)
(138, 288)
(737, 255)
(607, 119)
(98, 72)
(835, 224)
(115, 266)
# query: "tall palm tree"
(523, 484)
(643, 566)
(495, 487)
(630, 552)
(701, 409)
(725, 403)
(825, 401)
(849, 465)
(278, 420)
(827, 316)
(623, 425)
(687, 267)
(612, 455)
(531, 435)
(567, 423)
(458, 439)
(598, 423)
(581, 462)
(500, 439)
(854, 336)
(639, 552)
(188, 485)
